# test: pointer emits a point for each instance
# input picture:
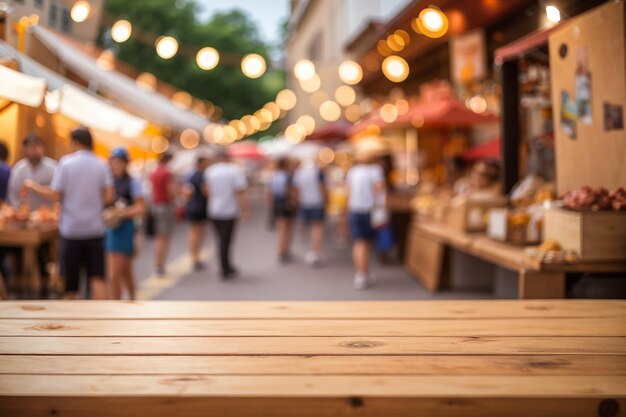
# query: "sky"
(267, 14)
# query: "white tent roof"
(21, 88)
(152, 106)
(93, 112)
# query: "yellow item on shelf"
(550, 245)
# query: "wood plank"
(326, 386)
(316, 365)
(280, 327)
(462, 309)
(168, 406)
(424, 259)
(311, 345)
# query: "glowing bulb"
(553, 14)
(432, 22)
(326, 155)
(395, 68)
(263, 115)
(330, 111)
(312, 84)
(189, 138)
(350, 72)
(160, 144)
(121, 31)
(307, 122)
(146, 81)
(345, 95)
(304, 70)
(353, 113)
(295, 133)
(253, 65)
(166, 47)
(274, 109)
(182, 99)
(80, 11)
(106, 60)
(207, 58)
(389, 113)
(478, 104)
(286, 99)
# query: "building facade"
(55, 15)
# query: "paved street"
(264, 278)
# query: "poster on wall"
(569, 114)
(468, 57)
(583, 87)
(613, 116)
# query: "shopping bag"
(384, 239)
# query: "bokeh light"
(286, 99)
(395, 68)
(345, 95)
(253, 65)
(304, 70)
(389, 113)
(166, 47)
(330, 111)
(121, 30)
(160, 144)
(307, 122)
(189, 138)
(207, 58)
(80, 11)
(350, 72)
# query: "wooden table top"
(431, 358)
(507, 255)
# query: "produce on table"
(596, 199)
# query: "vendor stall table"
(437, 358)
(29, 240)
(537, 279)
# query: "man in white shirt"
(365, 182)
(83, 184)
(225, 188)
(35, 167)
(309, 184)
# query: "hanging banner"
(468, 57)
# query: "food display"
(595, 199)
(22, 218)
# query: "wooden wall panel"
(595, 157)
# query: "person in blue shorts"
(309, 183)
(196, 210)
(119, 243)
(365, 182)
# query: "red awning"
(446, 112)
(245, 150)
(487, 150)
(330, 132)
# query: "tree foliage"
(233, 34)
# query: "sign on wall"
(468, 57)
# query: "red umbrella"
(334, 131)
(487, 150)
(245, 150)
(443, 112)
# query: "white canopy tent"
(21, 88)
(149, 105)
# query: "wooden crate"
(470, 215)
(595, 236)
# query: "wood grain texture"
(275, 359)
(304, 327)
(192, 310)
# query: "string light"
(353, 113)
(146, 81)
(253, 65)
(312, 84)
(286, 99)
(307, 122)
(304, 70)
(166, 47)
(389, 113)
(189, 139)
(345, 95)
(330, 111)
(395, 68)
(295, 133)
(207, 58)
(350, 72)
(80, 11)
(160, 144)
(553, 14)
(432, 22)
(121, 31)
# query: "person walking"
(83, 184)
(279, 196)
(365, 186)
(120, 235)
(196, 210)
(163, 196)
(309, 183)
(226, 190)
